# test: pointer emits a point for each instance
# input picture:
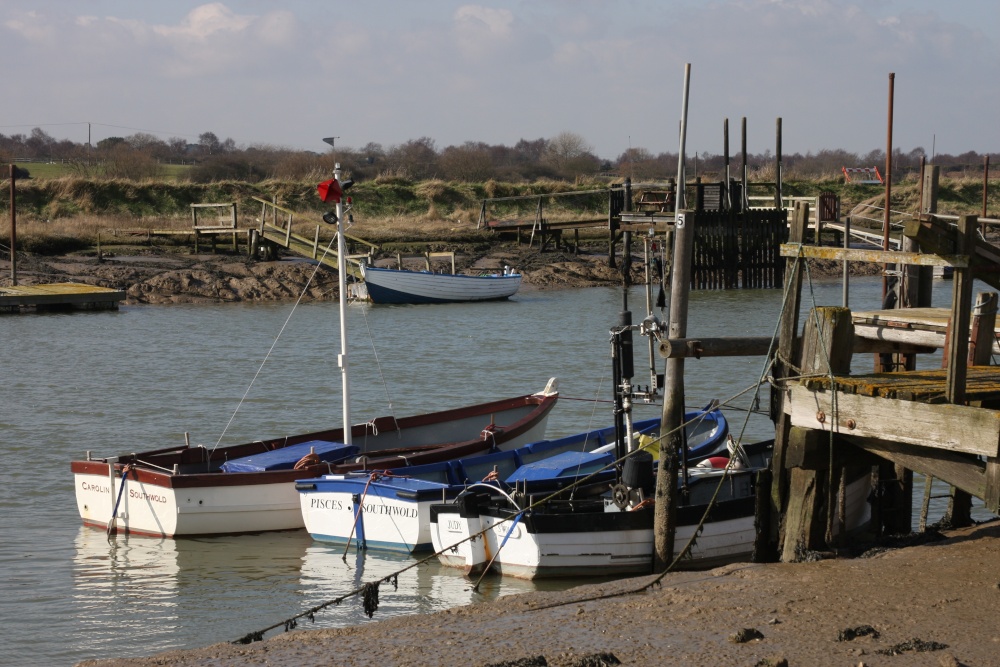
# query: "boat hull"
(390, 286)
(183, 491)
(395, 513)
(378, 516)
(592, 544)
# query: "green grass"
(49, 170)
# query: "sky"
(289, 73)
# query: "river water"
(141, 377)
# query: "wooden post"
(961, 307)
(788, 329)
(960, 505)
(984, 320)
(236, 245)
(664, 522)
(827, 346)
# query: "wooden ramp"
(58, 297)
(278, 234)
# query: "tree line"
(567, 156)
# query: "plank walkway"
(58, 296)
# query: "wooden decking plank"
(983, 382)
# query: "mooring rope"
(292, 622)
(764, 376)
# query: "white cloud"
(205, 21)
(481, 30)
(32, 26)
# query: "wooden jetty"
(58, 297)
(942, 423)
(832, 426)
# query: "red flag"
(330, 191)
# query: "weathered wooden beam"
(956, 428)
(959, 470)
(942, 238)
(755, 346)
(872, 256)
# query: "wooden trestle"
(940, 422)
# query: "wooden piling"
(826, 348)
(664, 522)
(784, 368)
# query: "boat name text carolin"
(87, 486)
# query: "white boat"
(392, 511)
(178, 491)
(401, 286)
(599, 537)
(609, 535)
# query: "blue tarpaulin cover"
(286, 457)
(560, 465)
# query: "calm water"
(142, 377)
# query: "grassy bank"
(57, 215)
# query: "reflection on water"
(221, 588)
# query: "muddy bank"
(158, 277)
(925, 605)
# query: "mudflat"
(935, 604)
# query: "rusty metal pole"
(888, 183)
(13, 227)
(777, 164)
(986, 186)
(745, 204)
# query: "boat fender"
(717, 462)
(637, 473)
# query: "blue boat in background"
(401, 286)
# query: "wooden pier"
(943, 423)
(58, 297)
(835, 430)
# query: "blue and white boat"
(401, 286)
(391, 509)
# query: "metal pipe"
(13, 227)
(777, 164)
(986, 182)
(888, 181)
(745, 204)
(342, 286)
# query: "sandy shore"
(935, 604)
